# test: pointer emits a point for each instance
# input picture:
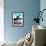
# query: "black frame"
(12, 19)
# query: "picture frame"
(17, 19)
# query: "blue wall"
(43, 6)
(29, 7)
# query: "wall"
(43, 6)
(29, 7)
(1, 20)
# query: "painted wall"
(29, 7)
(43, 6)
(1, 20)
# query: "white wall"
(1, 20)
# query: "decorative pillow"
(20, 42)
(28, 40)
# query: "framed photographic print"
(17, 19)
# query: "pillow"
(10, 43)
(28, 39)
(20, 42)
